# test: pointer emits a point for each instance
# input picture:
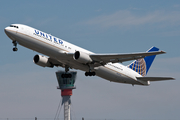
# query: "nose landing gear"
(15, 46)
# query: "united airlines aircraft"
(64, 54)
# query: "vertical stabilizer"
(142, 65)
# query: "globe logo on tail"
(139, 66)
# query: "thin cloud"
(169, 33)
(126, 18)
(176, 5)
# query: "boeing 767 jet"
(64, 54)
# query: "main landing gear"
(90, 73)
(15, 46)
(66, 75)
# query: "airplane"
(60, 53)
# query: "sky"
(119, 26)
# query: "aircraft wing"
(114, 58)
(154, 78)
(102, 59)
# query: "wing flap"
(155, 78)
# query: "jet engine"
(42, 61)
(82, 57)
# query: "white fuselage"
(59, 49)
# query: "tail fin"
(142, 65)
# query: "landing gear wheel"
(93, 73)
(90, 73)
(86, 73)
(15, 49)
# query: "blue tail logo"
(142, 65)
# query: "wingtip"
(163, 51)
(171, 78)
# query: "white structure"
(66, 82)
(67, 106)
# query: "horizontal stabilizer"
(154, 78)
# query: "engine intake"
(42, 61)
(82, 57)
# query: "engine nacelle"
(42, 61)
(82, 57)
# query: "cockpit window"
(14, 26)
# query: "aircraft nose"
(6, 30)
(10, 33)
